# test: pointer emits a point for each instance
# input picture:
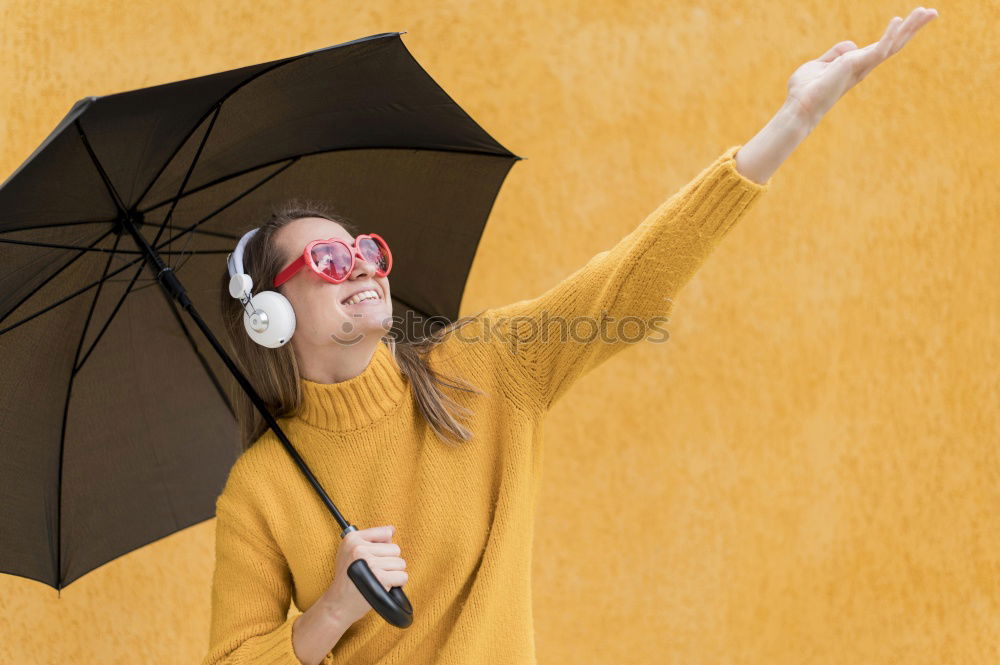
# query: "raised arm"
(625, 294)
(622, 295)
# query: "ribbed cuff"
(275, 648)
(719, 196)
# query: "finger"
(392, 563)
(837, 50)
(896, 34)
(884, 47)
(380, 549)
(376, 534)
(871, 55)
(917, 19)
(392, 578)
(906, 30)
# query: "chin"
(372, 322)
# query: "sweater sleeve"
(251, 595)
(624, 294)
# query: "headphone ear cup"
(280, 319)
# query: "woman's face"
(321, 316)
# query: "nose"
(362, 266)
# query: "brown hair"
(274, 373)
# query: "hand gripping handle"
(392, 605)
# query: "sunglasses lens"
(376, 252)
(333, 259)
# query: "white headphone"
(270, 320)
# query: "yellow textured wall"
(808, 471)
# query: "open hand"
(816, 85)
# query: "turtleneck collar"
(358, 401)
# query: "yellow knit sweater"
(464, 513)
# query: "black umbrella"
(116, 430)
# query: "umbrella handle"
(393, 605)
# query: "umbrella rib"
(62, 433)
(256, 167)
(107, 323)
(113, 251)
(69, 297)
(209, 232)
(129, 264)
(189, 229)
(194, 252)
(119, 204)
(176, 268)
(51, 277)
(194, 347)
(219, 234)
(187, 176)
(217, 108)
(221, 180)
(57, 225)
(90, 313)
(215, 212)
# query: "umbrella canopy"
(115, 429)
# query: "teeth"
(364, 295)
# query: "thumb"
(837, 50)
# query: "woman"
(453, 465)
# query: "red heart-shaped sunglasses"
(333, 259)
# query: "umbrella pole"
(392, 605)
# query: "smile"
(364, 296)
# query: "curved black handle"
(393, 605)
